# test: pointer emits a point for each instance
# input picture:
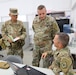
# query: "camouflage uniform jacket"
(44, 29)
(62, 61)
(14, 30)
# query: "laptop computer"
(16, 69)
(26, 70)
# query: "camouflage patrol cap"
(13, 11)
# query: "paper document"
(15, 39)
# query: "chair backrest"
(13, 58)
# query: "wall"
(29, 6)
(73, 13)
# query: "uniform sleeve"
(51, 52)
(34, 23)
(23, 32)
(54, 28)
(65, 64)
(56, 69)
(4, 36)
(3, 30)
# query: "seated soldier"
(62, 61)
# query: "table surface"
(9, 71)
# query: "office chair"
(13, 58)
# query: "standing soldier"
(44, 27)
(13, 34)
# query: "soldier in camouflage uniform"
(44, 27)
(14, 29)
(63, 61)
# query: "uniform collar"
(10, 22)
